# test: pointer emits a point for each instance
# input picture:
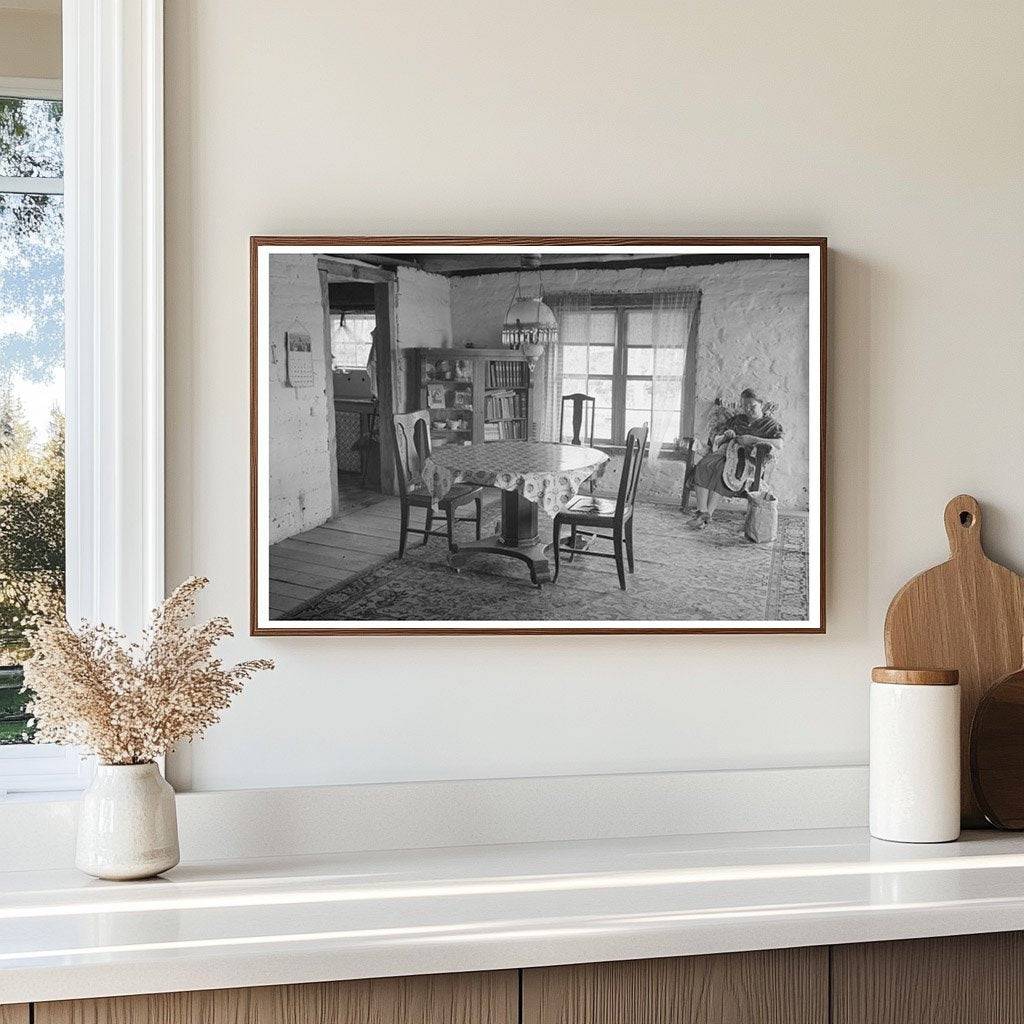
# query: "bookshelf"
(474, 394)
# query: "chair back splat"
(412, 447)
(632, 463)
(583, 410)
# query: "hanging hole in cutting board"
(966, 519)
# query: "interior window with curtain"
(629, 353)
(351, 339)
(31, 388)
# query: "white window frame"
(114, 323)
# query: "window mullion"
(619, 378)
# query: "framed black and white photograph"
(538, 435)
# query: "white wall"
(752, 332)
(423, 309)
(895, 129)
(301, 447)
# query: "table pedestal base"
(518, 539)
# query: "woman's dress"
(713, 473)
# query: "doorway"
(352, 322)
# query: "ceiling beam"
(598, 261)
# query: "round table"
(529, 474)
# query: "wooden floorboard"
(291, 571)
(351, 541)
(325, 555)
(376, 526)
(334, 573)
(315, 565)
(284, 565)
(294, 590)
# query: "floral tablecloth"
(547, 473)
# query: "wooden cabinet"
(962, 979)
(777, 986)
(972, 979)
(490, 998)
(474, 394)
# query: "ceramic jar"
(127, 825)
(915, 755)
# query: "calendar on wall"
(298, 350)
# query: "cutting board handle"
(963, 526)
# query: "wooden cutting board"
(967, 614)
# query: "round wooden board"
(997, 753)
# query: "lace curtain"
(670, 314)
(573, 315)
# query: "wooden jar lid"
(916, 676)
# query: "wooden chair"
(412, 449)
(584, 410)
(615, 515)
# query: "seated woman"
(729, 467)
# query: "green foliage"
(14, 727)
(32, 551)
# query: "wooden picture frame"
(648, 254)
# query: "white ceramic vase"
(127, 824)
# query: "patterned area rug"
(682, 574)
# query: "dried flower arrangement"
(129, 703)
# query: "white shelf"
(303, 919)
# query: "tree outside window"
(31, 386)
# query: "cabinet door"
(490, 998)
(14, 1013)
(779, 986)
(962, 979)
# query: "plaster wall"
(424, 309)
(300, 451)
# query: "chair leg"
(450, 522)
(403, 530)
(629, 543)
(427, 528)
(617, 541)
(572, 542)
(479, 515)
(558, 543)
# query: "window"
(632, 360)
(31, 385)
(351, 339)
(32, 542)
(588, 363)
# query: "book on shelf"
(505, 430)
(504, 405)
(506, 373)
